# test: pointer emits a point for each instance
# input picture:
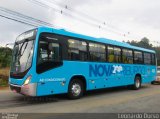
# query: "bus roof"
(101, 40)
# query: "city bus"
(48, 61)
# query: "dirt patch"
(4, 71)
(4, 88)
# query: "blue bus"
(48, 61)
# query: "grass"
(4, 75)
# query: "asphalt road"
(117, 100)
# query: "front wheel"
(152, 82)
(75, 89)
(137, 83)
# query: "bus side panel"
(56, 81)
(149, 75)
(109, 75)
(97, 75)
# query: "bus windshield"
(22, 53)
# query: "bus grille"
(14, 88)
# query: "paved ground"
(118, 100)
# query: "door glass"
(49, 55)
(48, 52)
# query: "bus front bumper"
(28, 90)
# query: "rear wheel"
(152, 82)
(75, 89)
(137, 83)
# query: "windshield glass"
(22, 56)
(22, 53)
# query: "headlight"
(27, 80)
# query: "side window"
(117, 55)
(127, 56)
(110, 54)
(49, 54)
(138, 58)
(147, 58)
(77, 50)
(153, 59)
(97, 52)
(114, 54)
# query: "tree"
(145, 43)
(5, 56)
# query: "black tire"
(137, 83)
(152, 82)
(75, 89)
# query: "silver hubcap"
(137, 83)
(76, 89)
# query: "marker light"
(27, 80)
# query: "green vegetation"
(5, 57)
(4, 75)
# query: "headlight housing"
(27, 80)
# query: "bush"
(5, 57)
(4, 75)
(3, 81)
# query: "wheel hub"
(137, 83)
(76, 89)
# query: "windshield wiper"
(29, 55)
(24, 49)
(19, 53)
